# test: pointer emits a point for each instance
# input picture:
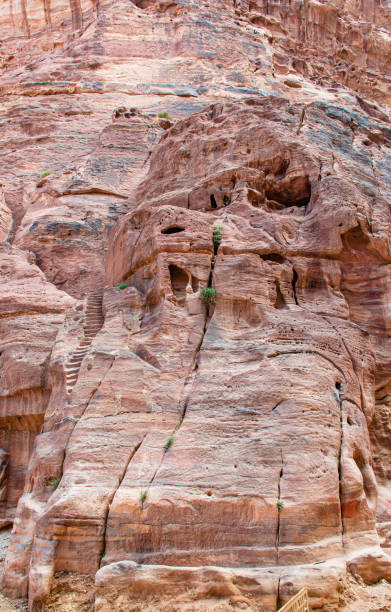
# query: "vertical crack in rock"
(339, 394)
(352, 361)
(320, 170)
(194, 364)
(278, 602)
(59, 473)
(191, 375)
(76, 420)
(279, 508)
(110, 501)
(301, 120)
(294, 284)
(95, 390)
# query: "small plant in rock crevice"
(209, 296)
(226, 200)
(121, 286)
(54, 482)
(164, 115)
(280, 506)
(44, 174)
(217, 234)
(143, 497)
(169, 443)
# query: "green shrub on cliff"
(169, 443)
(209, 296)
(217, 234)
(121, 286)
(164, 115)
(54, 482)
(44, 174)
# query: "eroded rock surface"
(195, 348)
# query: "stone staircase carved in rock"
(93, 321)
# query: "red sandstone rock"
(236, 449)
(31, 312)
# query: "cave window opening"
(179, 281)
(213, 203)
(173, 230)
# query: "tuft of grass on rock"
(54, 482)
(44, 174)
(164, 115)
(209, 296)
(217, 234)
(280, 506)
(169, 443)
(143, 497)
(121, 286)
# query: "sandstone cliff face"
(177, 449)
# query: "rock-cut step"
(93, 321)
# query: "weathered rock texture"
(176, 449)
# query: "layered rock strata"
(194, 313)
(233, 434)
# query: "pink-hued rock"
(232, 434)
(5, 218)
(31, 312)
(178, 450)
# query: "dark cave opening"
(173, 230)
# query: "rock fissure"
(57, 476)
(189, 381)
(301, 120)
(354, 367)
(294, 285)
(280, 508)
(110, 501)
(340, 459)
